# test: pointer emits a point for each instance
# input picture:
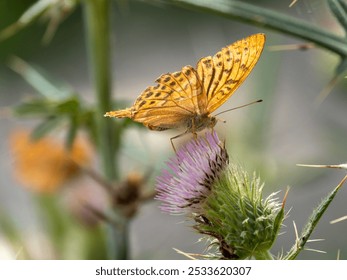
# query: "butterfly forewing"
(225, 72)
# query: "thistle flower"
(193, 171)
(45, 165)
(129, 194)
(224, 202)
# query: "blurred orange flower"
(45, 165)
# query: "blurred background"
(288, 128)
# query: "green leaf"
(72, 132)
(45, 127)
(312, 222)
(89, 122)
(52, 10)
(338, 8)
(8, 228)
(342, 67)
(266, 18)
(40, 81)
(69, 106)
(28, 17)
(278, 221)
(11, 233)
(56, 220)
(44, 107)
(34, 107)
(343, 5)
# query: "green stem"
(118, 238)
(97, 24)
(270, 19)
(264, 256)
(97, 28)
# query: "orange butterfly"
(188, 97)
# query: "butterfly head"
(213, 121)
(200, 122)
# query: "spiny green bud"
(245, 224)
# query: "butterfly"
(186, 98)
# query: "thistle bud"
(224, 201)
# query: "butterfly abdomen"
(156, 128)
(125, 113)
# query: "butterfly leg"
(175, 137)
(193, 130)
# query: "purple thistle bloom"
(191, 173)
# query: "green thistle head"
(224, 201)
(245, 224)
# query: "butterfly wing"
(169, 104)
(223, 73)
(181, 96)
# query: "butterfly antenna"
(257, 101)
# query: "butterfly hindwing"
(186, 88)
